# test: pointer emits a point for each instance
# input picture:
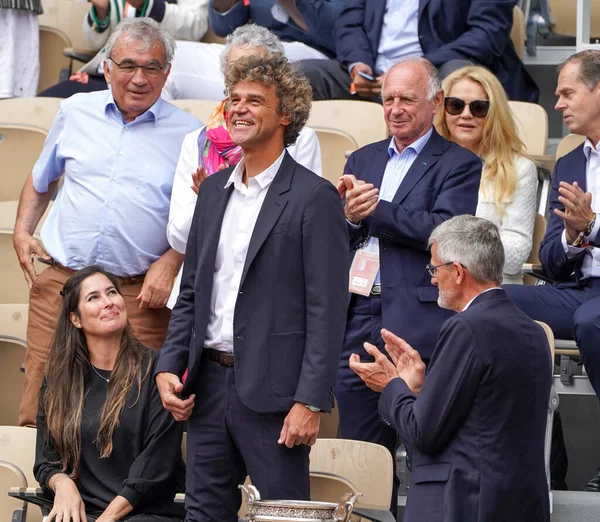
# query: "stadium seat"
(539, 230)
(568, 143)
(37, 112)
(20, 147)
(54, 66)
(335, 147)
(18, 448)
(13, 287)
(202, 109)
(66, 16)
(564, 14)
(360, 119)
(12, 353)
(532, 126)
(517, 32)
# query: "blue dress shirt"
(395, 171)
(113, 206)
(399, 34)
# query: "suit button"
(240, 337)
(240, 293)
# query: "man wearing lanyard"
(118, 150)
(396, 192)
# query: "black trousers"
(68, 88)
(227, 441)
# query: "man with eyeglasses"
(118, 150)
(396, 192)
(475, 425)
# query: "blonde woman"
(477, 116)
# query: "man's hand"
(301, 426)
(80, 77)
(409, 365)
(376, 375)
(68, 505)
(169, 386)
(27, 248)
(159, 280)
(364, 87)
(578, 209)
(197, 178)
(361, 198)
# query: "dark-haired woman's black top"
(145, 466)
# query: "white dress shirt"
(237, 228)
(591, 262)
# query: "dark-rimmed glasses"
(455, 106)
(432, 268)
(130, 68)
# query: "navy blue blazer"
(569, 168)
(477, 30)
(476, 430)
(319, 15)
(442, 182)
(290, 312)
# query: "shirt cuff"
(355, 226)
(351, 66)
(570, 250)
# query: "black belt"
(223, 358)
(376, 290)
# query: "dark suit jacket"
(476, 430)
(442, 182)
(569, 168)
(290, 312)
(319, 15)
(477, 30)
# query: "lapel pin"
(424, 163)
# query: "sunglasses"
(455, 106)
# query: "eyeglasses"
(130, 68)
(455, 106)
(432, 268)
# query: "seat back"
(564, 15)
(13, 321)
(539, 230)
(517, 32)
(67, 16)
(54, 66)
(202, 109)
(17, 446)
(531, 120)
(14, 288)
(12, 353)
(335, 145)
(568, 143)
(367, 467)
(362, 120)
(20, 147)
(36, 112)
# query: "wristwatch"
(314, 409)
(584, 233)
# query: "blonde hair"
(500, 143)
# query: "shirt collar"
(416, 146)
(486, 290)
(588, 147)
(152, 113)
(263, 179)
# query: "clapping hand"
(578, 209)
(405, 363)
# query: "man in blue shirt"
(370, 36)
(118, 150)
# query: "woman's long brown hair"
(69, 369)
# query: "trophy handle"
(250, 492)
(345, 507)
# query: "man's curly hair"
(292, 87)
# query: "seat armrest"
(81, 55)
(536, 270)
(33, 495)
(377, 515)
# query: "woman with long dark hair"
(106, 446)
